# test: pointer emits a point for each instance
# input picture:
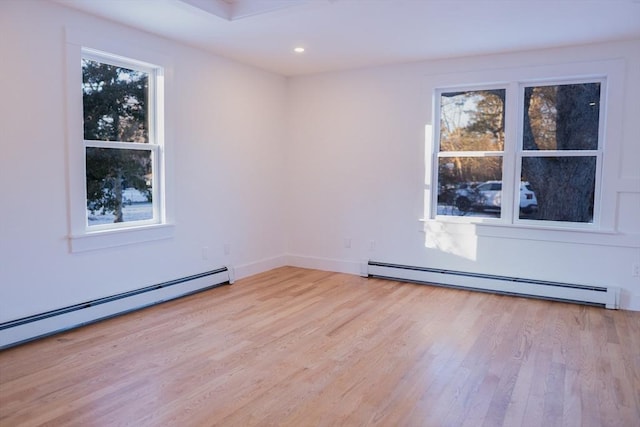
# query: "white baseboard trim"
(604, 296)
(29, 328)
(14, 332)
(246, 270)
(629, 302)
(324, 264)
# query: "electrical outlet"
(205, 252)
(227, 248)
(635, 270)
(347, 243)
(372, 245)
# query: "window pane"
(119, 185)
(469, 186)
(564, 187)
(472, 120)
(562, 117)
(115, 103)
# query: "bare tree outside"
(561, 118)
(558, 159)
(470, 122)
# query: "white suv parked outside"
(488, 196)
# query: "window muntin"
(470, 151)
(557, 155)
(122, 150)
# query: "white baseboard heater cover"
(19, 331)
(608, 297)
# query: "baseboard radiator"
(608, 297)
(26, 329)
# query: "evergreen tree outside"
(115, 108)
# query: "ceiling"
(344, 34)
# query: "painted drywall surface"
(353, 169)
(224, 123)
(357, 173)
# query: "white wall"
(225, 122)
(272, 166)
(357, 171)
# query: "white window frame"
(83, 237)
(155, 134)
(521, 153)
(444, 154)
(608, 72)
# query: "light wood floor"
(295, 347)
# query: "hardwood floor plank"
(298, 347)
(554, 396)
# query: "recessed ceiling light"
(298, 49)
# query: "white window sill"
(538, 232)
(120, 237)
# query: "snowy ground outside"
(132, 212)
(136, 208)
(454, 211)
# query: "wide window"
(540, 165)
(122, 143)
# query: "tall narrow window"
(471, 151)
(561, 150)
(121, 140)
